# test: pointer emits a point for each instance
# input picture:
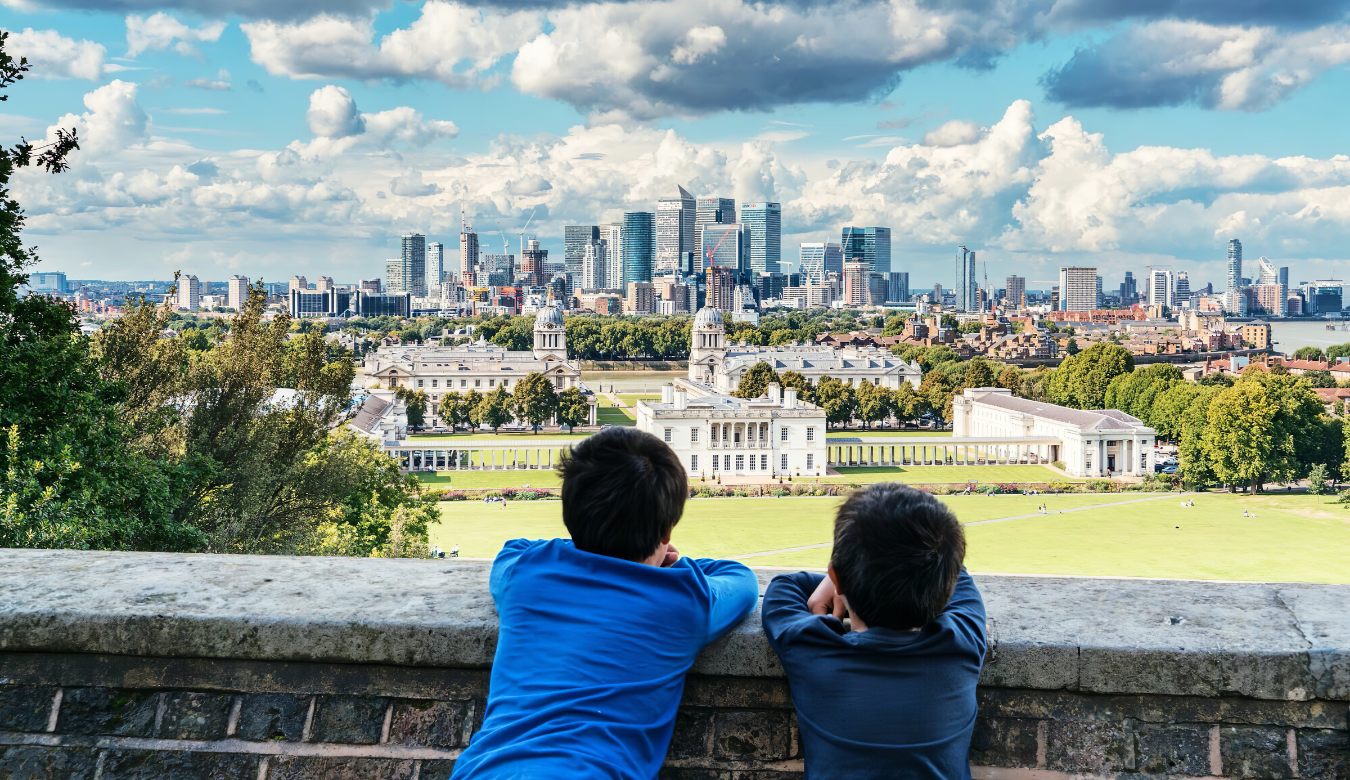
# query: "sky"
(306, 136)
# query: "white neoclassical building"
(481, 366)
(715, 363)
(715, 434)
(1098, 443)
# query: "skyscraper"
(189, 292)
(674, 229)
(712, 211)
(856, 283)
(1160, 287)
(1077, 289)
(723, 246)
(393, 277)
(1234, 264)
(1015, 291)
(236, 292)
(721, 285)
(639, 246)
(820, 259)
(595, 265)
(966, 284)
(1181, 288)
(762, 224)
(872, 245)
(468, 256)
(575, 240)
(435, 265)
(614, 238)
(415, 264)
(1129, 292)
(897, 289)
(532, 262)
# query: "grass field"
(1292, 538)
(943, 474)
(873, 432)
(492, 480)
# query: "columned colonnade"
(475, 455)
(940, 451)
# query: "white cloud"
(220, 83)
(958, 132)
(113, 122)
(698, 42)
(53, 56)
(338, 125)
(161, 31)
(332, 113)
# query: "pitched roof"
(370, 414)
(1097, 420)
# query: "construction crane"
(521, 233)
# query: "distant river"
(630, 381)
(1289, 336)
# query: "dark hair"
(897, 554)
(622, 491)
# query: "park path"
(977, 522)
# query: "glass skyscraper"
(723, 247)
(763, 227)
(871, 245)
(639, 246)
(674, 229)
(712, 211)
(575, 240)
(414, 264)
(1234, 265)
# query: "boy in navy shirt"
(596, 632)
(894, 697)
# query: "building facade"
(856, 284)
(897, 288)
(1015, 292)
(189, 293)
(575, 240)
(468, 255)
(414, 264)
(1077, 289)
(719, 435)
(723, 246)
(639, 246)
(675, 219)
(762, 224)
(532, 263)
(435, 266)
(236, 292)
(871, 245)
(1234, 264)
(711, 211)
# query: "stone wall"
(117, 666)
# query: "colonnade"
(965, 452)
(473, 458)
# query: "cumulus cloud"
(53, 56)
(251, 9)
(161, 31)
(114, 121)
(221, 82)
(409, 185)
(1171, 62)
(339, 125)
(957, 132)
(332, 113)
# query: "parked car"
(1172, 469)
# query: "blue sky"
(268, 139)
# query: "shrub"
(1100, 485)
(1062, 487)
(454, 495)
(1059, 464)
(991, 490)
(738, 493)
(779, 493)
(1317, 479)
(1007, 487)
(1343, 497)
(509, 493)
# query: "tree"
(979, 373)
(1136, 392)
(573, 410)
(451, 409)
(1318, 378)
(937, 392)
(836, 398)
(469, 408)
(948, 321)
(535, 400)
(936, 356)
(904, 403)
(1011, 379)
(1317, 479)
(755, 381)
(1071, 347)
(1337, 351)
(1309, 353)
(415, 403)
(495, 408)
(872, 402)
(1264, 428)
(1081, 380)
(806, 391)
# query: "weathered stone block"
(752, 736)
(278, 716)
(1254, 751)
(190, 715)
(27, 762)
(1135, 670)
(163, 765)
(692, 730)
(1089, 747)
(25, 707)
(1324, 753)
(686, 773)
(1006, 742)
(94, 711)
(436, 770)
(1173, 750)
(323, 768)
(428, 723)
(348, 720)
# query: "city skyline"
(406, 114)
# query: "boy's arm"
(504, 563)
(785, 603)
(966, 611)
(733, 590)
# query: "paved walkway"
(977, 522)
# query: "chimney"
(681, 399)
(668, 393)
(774, 394)
(790, 398)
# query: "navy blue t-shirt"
(880, 703)
(591, 657)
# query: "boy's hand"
(672, 555)
(825, 601)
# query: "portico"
(941, 450)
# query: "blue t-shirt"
(591, 657)
(879, 703)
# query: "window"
(492, 383)
(419, 383)
(668, 432)
(463, 383)
(782, 433)
(693, 434)
(810, 434)
(740, 463)
(714, 463)
(693, 463)
(763, 462)
(784, 466)
(810, 459)
(477, 383)
(726, 462)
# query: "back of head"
(897, 553)
(622, 492)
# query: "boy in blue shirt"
(596, 632)
(895, 695)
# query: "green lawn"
(943, 474)
(614, 416)
(492, 480)
(629, 398)
(881, 432)
(1293, 537)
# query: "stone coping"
(1276, 641)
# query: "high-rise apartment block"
(575, 240)
(639, 246)
(435, 265)
(871, 245)
(236, 292)
(674, 230)
(712, 211)
(189, 293)
(1129, 292)
(532, 262)
(966, 284)
(371, 286)
(641, 298)
(762, 224)
(897, 290)
(1160, 287)
(1015, 292)
(721, 286)
(468, 254)
(1234, 264)
(1181, 289)
(297, 283)
(393, 277)
(1077, 289)
(614, 239)
(856, 283)
(414, 260)
(595, 265)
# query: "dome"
(549, 316)
(708, 317)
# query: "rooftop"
(1095, 420)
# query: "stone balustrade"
(121, 666)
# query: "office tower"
(393, 276)
(575, 240)
(468, 254)
(1077, 289)
(1325, 296)
(770, 285)
(298, 283)
(1160, 287)
(872, 245)
(1284, 276)
(762, 224)
(370, 285)
(236, 294)
(820, 259)
(856, 283)
(1015, 291)
(721, 285)
(639, 246)
(1129, 292)
(712, 211)
(595, 265)
(1181, 288)
(614, 240)
(324, 284)
(435, 265)
(415, 264)
(1234, 264)
(965, 279)
(47, 282)
(898, 288)
(189, 292)
(532, 262)
(674, 229)
(1098, 303)
(877, 285)
(723, 246)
